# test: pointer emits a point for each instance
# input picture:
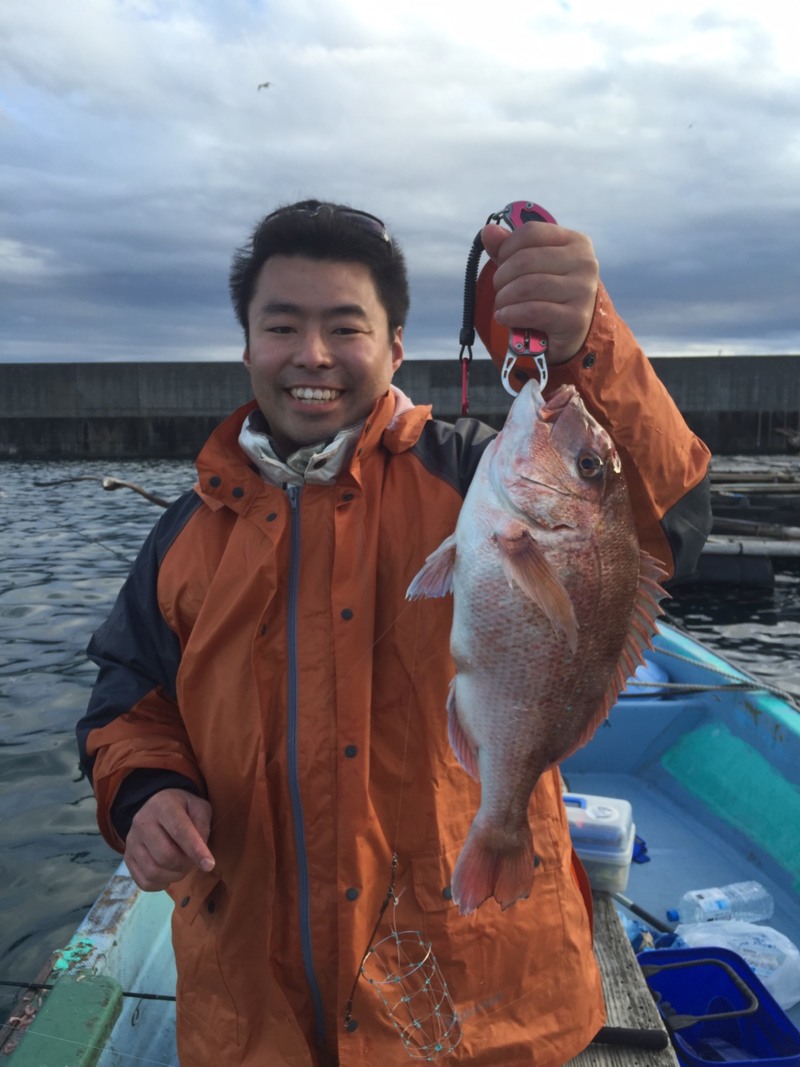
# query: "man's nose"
(313, 350)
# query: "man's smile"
(314, 394)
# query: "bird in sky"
(265, 85)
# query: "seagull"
(265, 85)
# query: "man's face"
(319, 352)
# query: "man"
(268, 729)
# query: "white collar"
(317, 464)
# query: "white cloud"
(30, 262)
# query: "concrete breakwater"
(737, 404)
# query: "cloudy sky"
(136, 151)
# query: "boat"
(707, 755)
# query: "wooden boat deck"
(629, 1003)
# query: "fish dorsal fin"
(646, 609)
(526, 566)
(435, 578)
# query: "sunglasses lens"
(371, 223)
(367, 222)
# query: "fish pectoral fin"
(526, 566)
(435, 578)
(463, 747)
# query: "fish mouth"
(530, 405)
(558, 402)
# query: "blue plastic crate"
(717, 1010)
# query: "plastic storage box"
(717, 1010)
(602, 833)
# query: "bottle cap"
(673, 914)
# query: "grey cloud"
(136, 153)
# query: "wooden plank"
(628, 1000)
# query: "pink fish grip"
(524, 342)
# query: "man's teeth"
(319, 395)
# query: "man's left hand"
(546, 280)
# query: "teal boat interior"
(710, 763)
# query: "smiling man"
(319, 348)
(267, 737)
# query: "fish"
(554, 605)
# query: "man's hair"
(323, 231)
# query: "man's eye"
(279, 329)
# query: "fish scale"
(554, 603)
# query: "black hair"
(322, 230)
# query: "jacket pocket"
(192, 894)
(431, 874)
(207, 1015)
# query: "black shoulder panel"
(687, 524)
(135, 649)
(452, 451)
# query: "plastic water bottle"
(747, 901)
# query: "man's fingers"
(168, 838)
(546, 279)
(493, 236)
(501, 243)
(154, 860)
(188, 828)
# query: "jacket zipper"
(293, 764)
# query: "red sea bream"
(553, 604)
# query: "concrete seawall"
(140, 410)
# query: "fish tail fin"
(493, 864)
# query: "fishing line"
(39, 987)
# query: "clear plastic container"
(602, 832)
(747, 901)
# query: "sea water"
(65, 551)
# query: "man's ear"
(397, 348)
(246, 356)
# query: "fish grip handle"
(675, 1021)
(522, 342)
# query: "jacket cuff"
(137, 788)
(597, 355)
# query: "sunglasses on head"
(371, 223)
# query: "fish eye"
(590, 465)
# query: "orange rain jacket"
(262, 653)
